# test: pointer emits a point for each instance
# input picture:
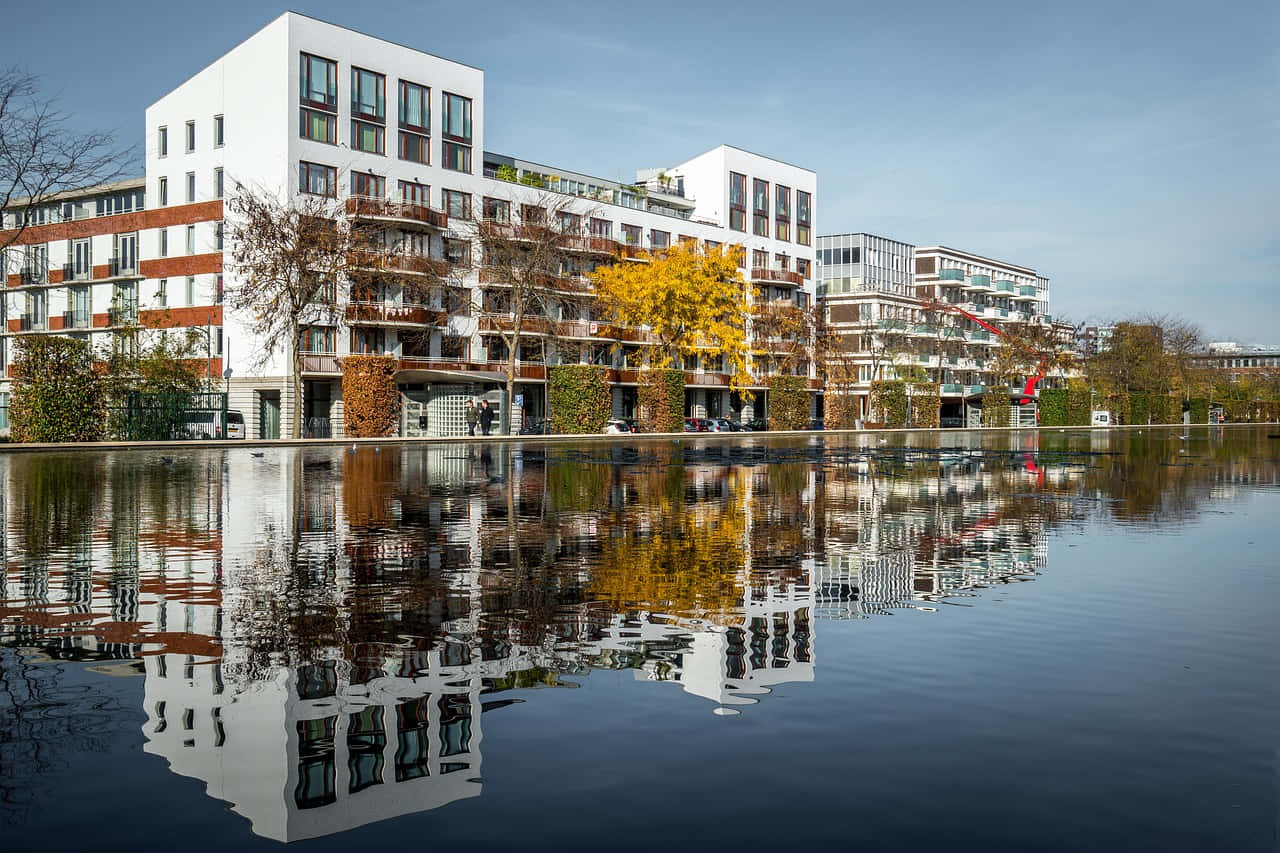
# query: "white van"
(1101, 418)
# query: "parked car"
(756, 425)
(697, 425)
(816, 423)
(620, 426)
(539, 426)
(726, 425)
(951, 422)
(235, 425)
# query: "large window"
(659, 239)
(458, 204)
(315, 179)
(368, 111)
(631, 235)
(760, 208)
(415, 193)
(415, 122)
(737, 201)
(497, 210)
(219, 138)
(804, 217)
(318, 97)
(456, 147)
(368, 185)
(782, 212)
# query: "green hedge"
(788, 402)
(926, 405)
(579, 398)
(1165, 409)
(660, 396)
(840, 411)
(1055, 407)
(1079, 407)
(57, 394)
(995, 406)
(1139, 409)
(889, 402)
(1199, 410)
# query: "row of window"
(162, 187)
(189, 136)
(760, 209)
(318, 114)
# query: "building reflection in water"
(322, 631)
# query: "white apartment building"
(304, 106)
(899, 308)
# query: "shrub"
(57, 393)
(370, 402)
(579, 398)
(788, 402)
(840, 411)
(1079, 406)
(1055, 407)
(889, 402)
(926, 405)
(660, 398)
(1139, 409)
(995, 406)
(1162, 409)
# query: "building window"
(81, 258)
(415, 148)
(367, 137)
(191, 290)
(804, 218)
(162, 293)
(368, 185)
(782, 212)
(803, 267)
(368, 95)
(659, 239)
(318, 97)
(191, 239)
(760, 207)
(414, 193)
(217, 237)
(217, 183)
(163, 145)
(759, 259)
(319, 339)
(126, 253)
(191, 187)
(601, 228)
(457, 252)
(164, 242)
(570, 223)
(737, 201)
(316, 179)
(631, 235)
(415, 108)
(457, 204)
(457, 133)
(218, 289)
(191, 136)
(218, 139)
(497, 210)
(163, 191)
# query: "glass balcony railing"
(979, 281)
(980, 335)
(952, 388)
(951, 275)
(1005, 286)
(892, 324)
(1027, 290)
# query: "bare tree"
(534, 257)
(41, 155)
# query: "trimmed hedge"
(1079, 407)
(370, 401)
(840, 411)
(1199, 410)
(1139, 409)
(1163, 408)
(57, 393)
(1055, 407)
(660, 399)
(788, 402)
(995, 406)
(579, 398)
(926, 405)
(889, 402)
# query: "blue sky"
(1128, 150)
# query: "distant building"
(1240, 360)
(1092, 340)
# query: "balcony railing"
(122, 316)
(117, 267)
(1027, 290)
(407, 262)
(951, 275)
(1005, 286)
(379, 208)
(894, 325)
(34, 275)
(776, 276)
(952, 388)
(320, 363)
(402, 315)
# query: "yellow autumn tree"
(691, 298)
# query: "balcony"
(604, 246)
(951, 275)
(411, 263)
(951, 389)
(892, 325)
(117, 269)
(953, 334)
(924, 329)
(395, 315)
(979, 335)
(980, 283)
(122, 316)
(320, 363)
(765, 275)
(404, 214)
(1027, 290)
(34, 275)
(712, 380)
(1005, 286)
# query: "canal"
(1048, 641)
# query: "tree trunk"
(296, 377)
(504, 421)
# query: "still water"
(1061, 641)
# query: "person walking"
(486, 417)
(473, 417)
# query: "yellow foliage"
(692, 298)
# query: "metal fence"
(170, 417)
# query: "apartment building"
(900, 309)
(1240, 360)
(397, 135)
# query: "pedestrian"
(473, 417)
(486, 417)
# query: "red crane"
(1029, 391)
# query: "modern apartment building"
(304, 106)
(1240, 360)
(899, 309)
